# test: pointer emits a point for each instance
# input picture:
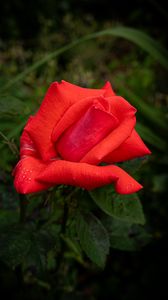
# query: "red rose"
(74, 131)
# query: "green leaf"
(124, 207)
(14, 246)
(126, 236)
(141, 39)
(42, 242)
(71, 237)
(93, 238)
(35, 257)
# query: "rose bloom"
(74, 131)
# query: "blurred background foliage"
(29, 32)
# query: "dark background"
(136, 275)
(22, 20)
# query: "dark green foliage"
(125, 235)
(93, 238)
(42, 243)
(14, 246)
(8, 218)
(11, 106)
(124, 207)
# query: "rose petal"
(91, 128)
(110, 143)
(125, 113)
(27, 147)
(109, 91)
(59, 97)
(77, 93)
(88, 176)
(73, 114)
(125, 183)
(25, 174)
(121, 108)
(133, 147)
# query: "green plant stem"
(64, 218)
(62, 232)
(63, 228)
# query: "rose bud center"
(83, 135)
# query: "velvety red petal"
(59, 97)
(108, 90)
(25, 174)
(125, 183)
(77, 174)
(90, 129)
(72, 115)
(40, 128)
(121, 108)
(27, 146)
(111, 142)
(88, 176)
(133, 147)
(78, 93)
